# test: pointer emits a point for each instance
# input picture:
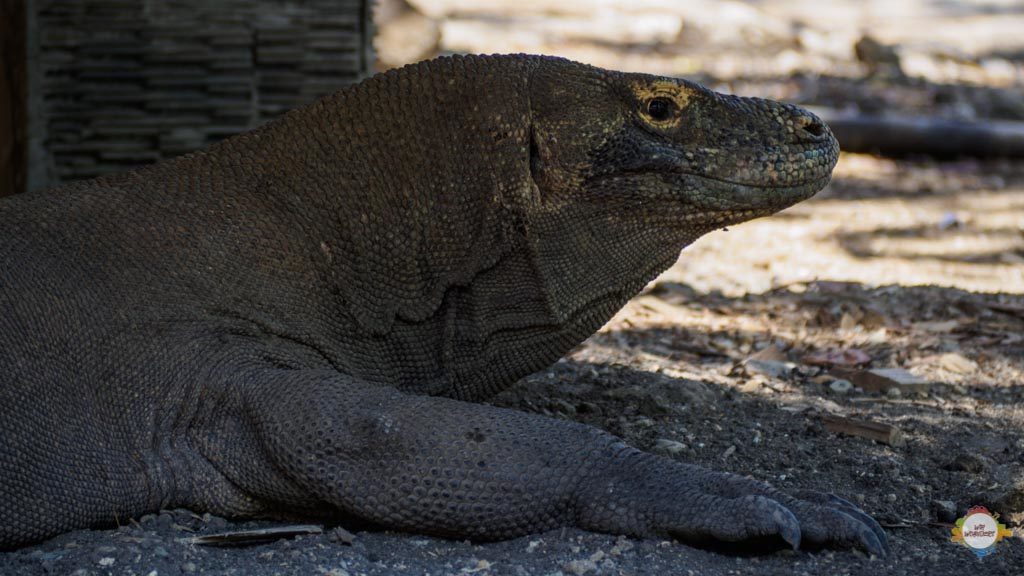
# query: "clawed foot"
(813, 519)
(692, 504)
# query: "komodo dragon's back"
(299, 319)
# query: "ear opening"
(536, 163)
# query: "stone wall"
(119, 83)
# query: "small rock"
(106, 561)
(944, 510)
(950, 220)
(341, 536)
(579, 567)
(894, 393)
(770, 368)
(622, 544)
(161, 552)
(666, 446)
(840, 386)
(188, 567)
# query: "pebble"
(840, 386)
(770, 368)
(666, 446)
(579, 567)
(944, 510)
(622, 544)
(106, 561)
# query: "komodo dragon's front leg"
(453, 468)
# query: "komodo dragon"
(297, 320)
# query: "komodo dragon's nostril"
(810, 128)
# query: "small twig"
(253, 537)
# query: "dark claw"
(871, 542)
(789, 527)
(849, 508)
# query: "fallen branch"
(885, 433)
(901, 135)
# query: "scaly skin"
(297, 320)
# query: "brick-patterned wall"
(13, 117)
(118, 83)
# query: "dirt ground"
(737, 357)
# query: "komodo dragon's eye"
(660, 108)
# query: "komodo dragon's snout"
(299, 319)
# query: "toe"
(832, 525)
(850, 509)
(737, 519)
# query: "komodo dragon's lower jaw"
(702, 203)
(727, 196)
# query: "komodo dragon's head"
(630, 168)
(669, 152)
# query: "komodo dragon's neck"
(380, 226)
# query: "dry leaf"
(957, 363)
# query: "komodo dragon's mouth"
(709, 195)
